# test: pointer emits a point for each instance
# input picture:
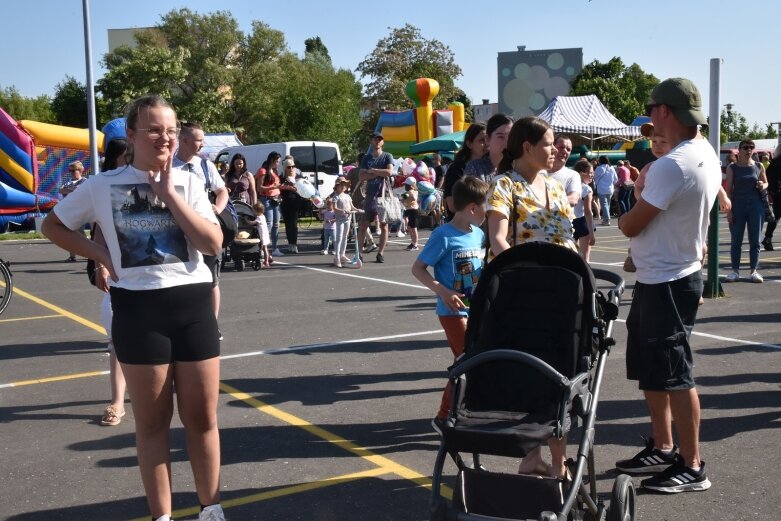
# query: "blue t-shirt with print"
(382, 161)
(457, 258)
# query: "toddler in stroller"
(537, 339)
(246, 247)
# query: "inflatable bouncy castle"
(34, 158)
(402, 129)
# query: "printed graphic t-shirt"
(148, 248)
(457, 258)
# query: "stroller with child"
(538, 335)
(245, 248)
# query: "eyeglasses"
(747, 147)
(156, 133)
(650, 107)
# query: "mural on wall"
(529, 80)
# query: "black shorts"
(659, 326)
(163, 326)
(412, 217)
(579, 227)
(214, 262)
(369, 209)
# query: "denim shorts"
(659, 326)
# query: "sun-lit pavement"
(329, 380)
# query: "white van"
(329, 160)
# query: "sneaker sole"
(688, 487)
(645, 470)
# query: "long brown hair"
(529, 129)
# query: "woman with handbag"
(267, 181)
(745, 180)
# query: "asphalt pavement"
(330, 378)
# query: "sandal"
(112, 416)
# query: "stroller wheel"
(256, 265)
(239, 265)
(622, 500)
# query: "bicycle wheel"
(8, 285)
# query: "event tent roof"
(443, 143)
(586, 115)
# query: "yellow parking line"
(281, 492)
(50, 379)
(380, 461)
(60, 311)
(29, 318)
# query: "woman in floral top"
(542, 212)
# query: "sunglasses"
(650, 107)
(747, 147)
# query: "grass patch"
(20, 236)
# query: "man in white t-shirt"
(190, 143)
(667, 227)
(568, 178)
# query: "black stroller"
(537, 338)
(245, 248)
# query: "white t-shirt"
(683, 184)
(148, 248)
(265, 238)
(578, 208)
(568, 178)
(197, 165)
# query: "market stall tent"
(587, 117)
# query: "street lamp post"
(729, 107)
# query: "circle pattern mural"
(529, 80)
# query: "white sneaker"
(212, 513)
(324, 252)
(733, 277)
(277, 253)
(165, 517)
(756, 277)
(292, 248)
(399, 233)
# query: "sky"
(43, 40)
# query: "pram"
(245, 247)
(537, 339)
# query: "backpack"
(228, 218)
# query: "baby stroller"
(245, 247)
(537, 338)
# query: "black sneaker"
(768, 244)
(380, 258)
(678, 478)
(648, 460)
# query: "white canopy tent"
(587, 117)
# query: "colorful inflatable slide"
(34, 159)
(402, 129)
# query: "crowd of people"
(508, 185)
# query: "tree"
(316, 52)
(623, 90)
(405, 55)
(20, 107)
(189, 59)
(70, 103)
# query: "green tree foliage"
(252, 84)
(70, 103)
(623, 90)
(405, 55)
(20, 107)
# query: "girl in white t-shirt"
(263, 235)
(157, 223)
(583, 225)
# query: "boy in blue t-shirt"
(455, 250)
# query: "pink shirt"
(624, 176)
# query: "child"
(583, 225)
(265, 239)
(455, 250)
(411, 211)
(343, 205)
(329, 226)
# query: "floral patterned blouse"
(535, 222)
